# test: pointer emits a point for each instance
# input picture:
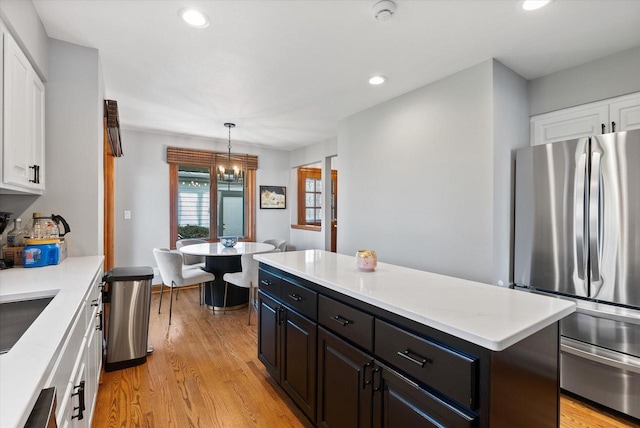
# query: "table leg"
(219, 265)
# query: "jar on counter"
(15, 237)
(366, 260)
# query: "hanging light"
(230, 173)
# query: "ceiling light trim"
(377, 80)
(531, 5)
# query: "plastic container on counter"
(42, 252)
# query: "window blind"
(197, 157)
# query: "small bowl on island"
(229, 241)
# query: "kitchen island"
(61, 348)
(402, 347)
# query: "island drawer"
(448, 371)
(301, 299)
(270, 283)
(346, 321)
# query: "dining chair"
(192, 262)
(174, 275)
(280, 244)
(248, 278)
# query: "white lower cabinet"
(76, 372)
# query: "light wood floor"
(204, 372)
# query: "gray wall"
(142, 186)
(417, 179)
(427, 177)
(73, 148)
(23, 22)
(611, 76)
(510, 131)
(318, 154)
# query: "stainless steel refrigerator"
(577, 236)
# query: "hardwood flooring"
(204, 372)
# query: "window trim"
(303, 174)
(178, 156)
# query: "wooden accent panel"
(173, 205)
(205, 370)
(307, 227)
(109, 201)
(250, 205)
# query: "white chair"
(172, 273)
(192, 262)
(248, 278)
(280, 244)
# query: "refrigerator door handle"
(594, 220)
(579, 225)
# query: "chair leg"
(171, 300)
(161, 289)
(213, 308)
(250, 304)
(224, 304)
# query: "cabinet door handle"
(366, 381)
(420, 360)
(99, 326)
(341, 320)
(603, 125)
(282, 316)
(613, 127)
(295, 297)
(265, 282)
(373, 379)
(79, 391)
(94, 302)
(35, 174)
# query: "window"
(202, 206)
(310, 197)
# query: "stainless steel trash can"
(127, 295)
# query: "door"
(399, 402)
(269, 334)
(231, 220)
(299, 343)
(550, 220)
(17, 85)
(614, 218)
(344, 384)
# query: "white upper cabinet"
(625, 113)
(22, 166)
(613, 115)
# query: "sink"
(16, 317)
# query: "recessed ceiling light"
(534, 4)
(193, 17)
(377, 80)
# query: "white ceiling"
(287, 71)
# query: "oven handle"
(600, 355)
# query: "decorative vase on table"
(366, 260)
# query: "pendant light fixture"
(230, 173)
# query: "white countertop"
(25, 368)
(490, 316)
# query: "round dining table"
(220, 260)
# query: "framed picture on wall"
(273, 197)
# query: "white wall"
(23, 22)
(510, 131)
(614, 75)
(142, 186)
(317, 153)
(73, 146)
(426, 179)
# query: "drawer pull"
(79, 391)
(94, 302)
(295, 297)
(265, 282)
(421, 361)
(341, 320)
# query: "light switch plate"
(127, 214)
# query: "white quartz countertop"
(24, 370)
(490, 316)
